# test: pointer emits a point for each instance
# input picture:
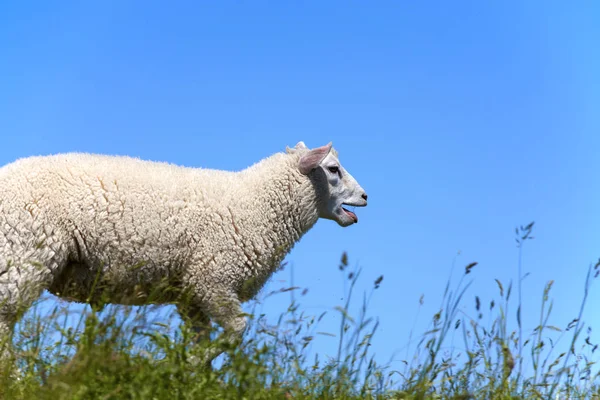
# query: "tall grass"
(132, 353)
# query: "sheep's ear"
(299, 146)
(313, 158)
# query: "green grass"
(123, 354)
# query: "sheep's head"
(336, 188)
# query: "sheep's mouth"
(349, 213)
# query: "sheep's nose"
(364, 196)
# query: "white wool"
(141, 226)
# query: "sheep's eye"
(333, 170)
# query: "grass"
(124, 353)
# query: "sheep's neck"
(286, 203)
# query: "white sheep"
(84, 226)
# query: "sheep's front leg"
(199, 323)
(226, 310)
(197, 320)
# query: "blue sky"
(462, 120)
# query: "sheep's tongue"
(351, 214)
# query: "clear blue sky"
(462, 120)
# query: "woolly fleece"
(67, 219)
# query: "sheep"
(83, 226)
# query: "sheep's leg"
(21, 283)
(6, 329)
(197, 320)
(225, 309)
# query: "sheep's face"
(336, 189)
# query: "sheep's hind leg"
(6, 328)
(21, 283)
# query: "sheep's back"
(119, 209)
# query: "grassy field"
(122, 354)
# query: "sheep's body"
(80, 225)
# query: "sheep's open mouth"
(350, 214)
